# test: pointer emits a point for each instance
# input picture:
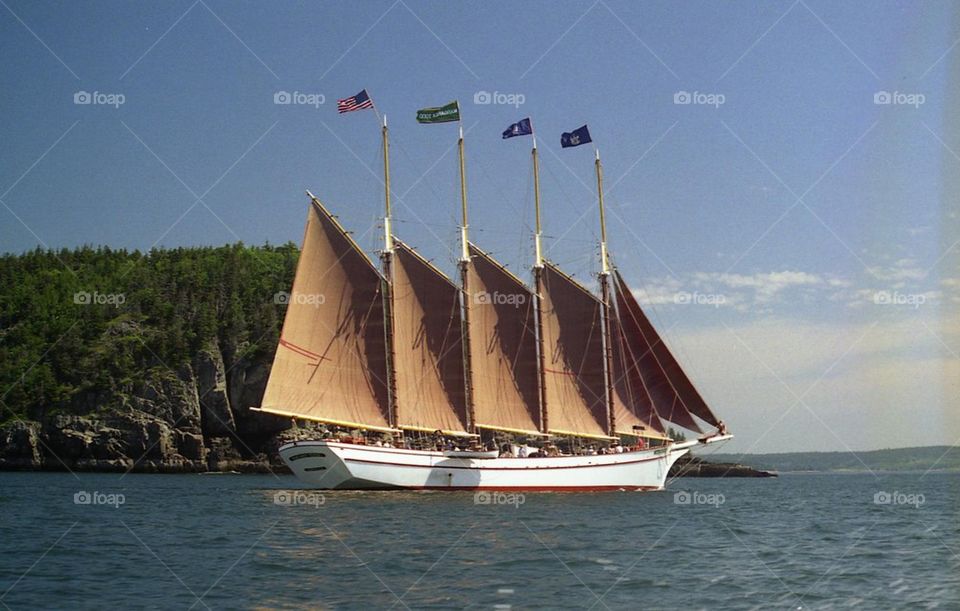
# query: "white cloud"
(893, 382)
(739, 291)
(901, 271)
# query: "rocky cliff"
(122, 360)
(193, 419)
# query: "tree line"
(78, 323)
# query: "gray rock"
(169, 396)
(247, 382)
(190, 420)
(216, 413)
(20, 446)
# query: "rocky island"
(148, 362)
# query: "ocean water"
(811, 541)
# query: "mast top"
(604, 257)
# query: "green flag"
(439, 114)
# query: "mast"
(465, 293)
(536, 200)
(387, 260)
(537, 282)
(387, 231)
(605, 298)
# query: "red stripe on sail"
(302, 351)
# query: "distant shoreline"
(900, 460)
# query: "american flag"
(357, 102)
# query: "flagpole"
(536, 199)
(387, 231)
(464, 253)
(537, 282)
(605, 297)
(387, 260)
(604, 260)
(465, 293)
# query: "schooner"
(445, 370)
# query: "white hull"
(333, 465)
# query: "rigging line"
(526, 249)
(679, 347)
(709, 452)
(503, 196)
(423, 178)
(676, 394)
(580, 212)
(444, 226)
(563, 191)
(403, 149)
(401, 199)
(569, 239)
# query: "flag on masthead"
(579, 136)
(439, 114)
(520, 128)
(357, 102)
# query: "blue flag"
(520, 128)
(575, 138)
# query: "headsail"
(633, 409)
(574, 383)
(331, 362)
(427, 345)
(673, 394)
(503, 347)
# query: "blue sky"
(799, 203)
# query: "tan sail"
(673, 394)
(331, 362)
(574, 382)
(503, 347)
(427, 346)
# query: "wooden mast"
(605, 297)
(465, 293)
(387, 260)
(537, 281)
